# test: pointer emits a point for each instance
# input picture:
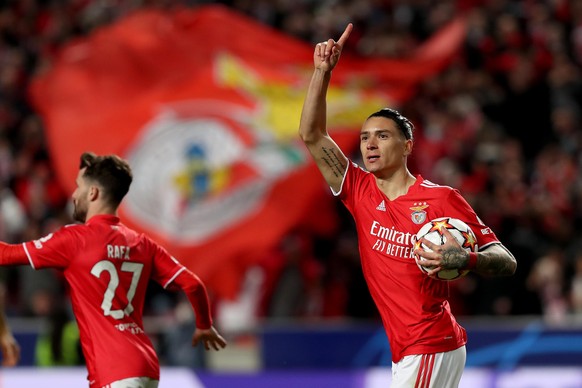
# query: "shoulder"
(150, 244)
(353, 164)
(72, 229)
(355, 180)
(81, 231)
(67, 235)
(144, 238)
(431, 185)
(354, 169)
(425, 184)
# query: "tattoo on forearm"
(496, 263)
(454, 258)
(335, 163)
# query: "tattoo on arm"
(335, 163)
(496, 262)
(454, 258)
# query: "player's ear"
(408, 145)
(93, 193)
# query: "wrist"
(203, 325)
(322, 72)
(472, 262)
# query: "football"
(433, 232)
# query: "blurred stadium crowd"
(502, 124)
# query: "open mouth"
(372, 158)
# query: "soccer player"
(107, 267)
(389, 205)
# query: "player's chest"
(406, 213)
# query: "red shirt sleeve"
(167, 271)
(165, 267)
(13, 254)
(354, 185)
(55, 250)
(457, 207)
(198, 297)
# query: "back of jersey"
(108, 267)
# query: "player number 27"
(106, 265)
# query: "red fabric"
(227, 92)
(107, 267)
(196, 293)
(414, 307)
(472, 260)
(12, 254)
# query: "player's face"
(80, 198)
(384, 147)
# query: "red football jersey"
(414, 308)
(107, 267)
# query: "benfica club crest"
(187, 186)
(418, 214)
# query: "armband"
(472, 263)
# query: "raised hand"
(327, 54)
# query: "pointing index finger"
(346, 34)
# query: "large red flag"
(205, 106)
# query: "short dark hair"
(402, 122)
(111, 172)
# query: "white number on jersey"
(106, 265)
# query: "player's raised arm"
(329, 158)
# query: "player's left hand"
(450, 255)
(10, 349)
(209, 337)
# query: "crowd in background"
(502, 124)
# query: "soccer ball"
(433, 232)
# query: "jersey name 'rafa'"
(117, 252)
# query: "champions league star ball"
(433, 232)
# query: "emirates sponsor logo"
(391, 241)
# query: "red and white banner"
(205, 106)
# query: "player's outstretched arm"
(13, 254)
(312, 127)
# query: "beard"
(79, 212)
